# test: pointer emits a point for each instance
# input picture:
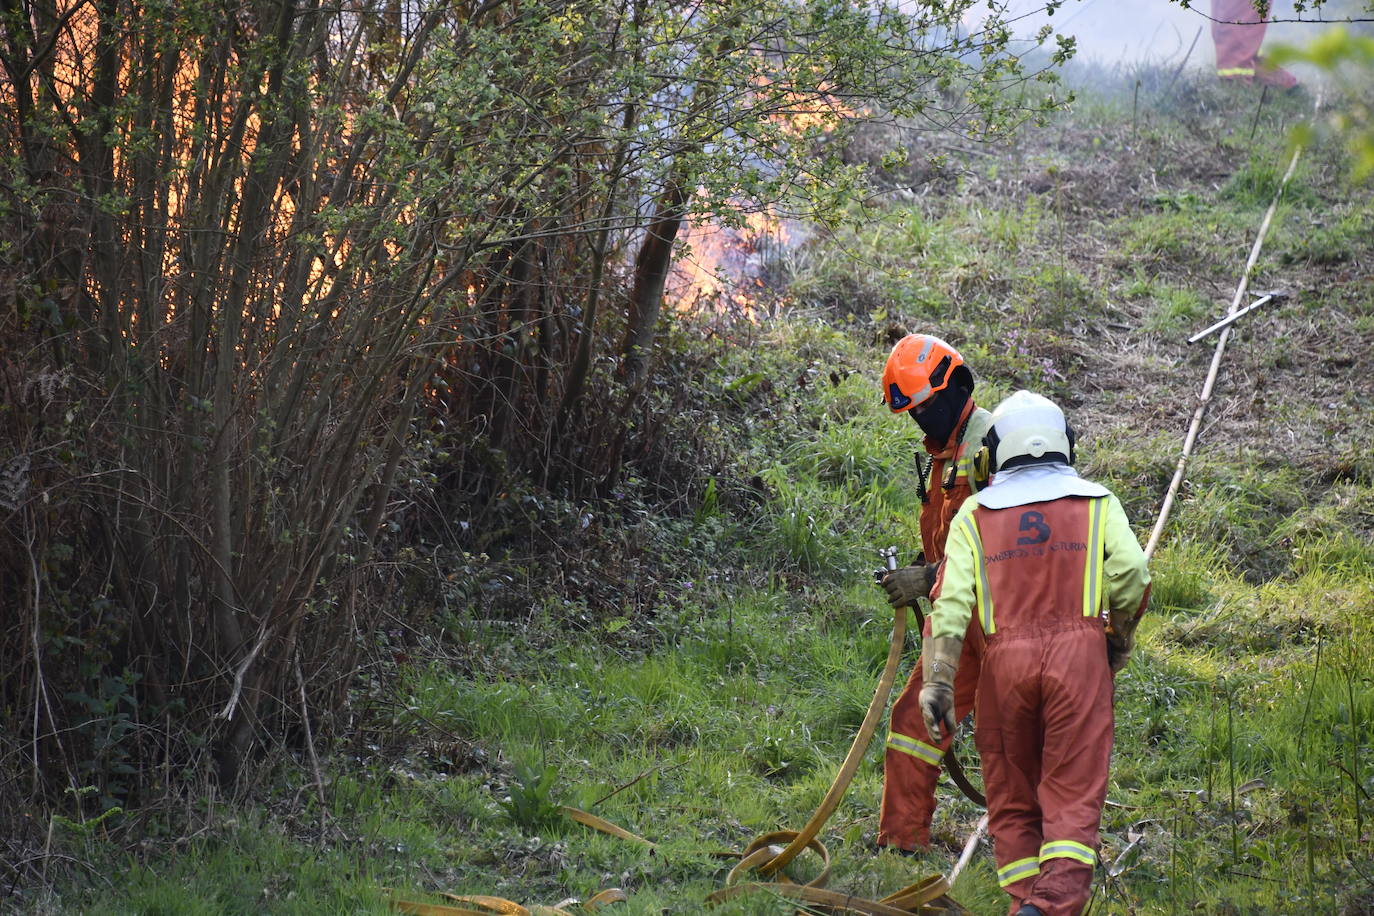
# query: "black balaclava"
(942, 412)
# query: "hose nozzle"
(889, 555)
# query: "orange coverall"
(1036, 578)
(911, 764)
(1238, 45)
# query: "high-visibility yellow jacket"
(1108, 567)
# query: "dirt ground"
(1296, 380)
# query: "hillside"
(690, 656)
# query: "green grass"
(1332, 237)
(252, 866)
(901, 261)
(1176, 311)
(720, 705)
(699, 747)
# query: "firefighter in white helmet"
(1043, 570)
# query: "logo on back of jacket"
(1034, 542)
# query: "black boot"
(1028, 910)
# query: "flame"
(797, 112)
(725, 269)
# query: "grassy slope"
(719, 706)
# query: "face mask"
(938, 416)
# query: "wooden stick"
(310, 746)
(978, 833)
(1179, 69)
(1206, 395)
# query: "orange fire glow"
(797, 112)
(725, 269)
(191, 158)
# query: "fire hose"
(771, 852)
(928, 896)
(766, 854)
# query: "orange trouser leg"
(911, 766)
(1076, 713)
(1045, 734)
(1237, 45)
(1008, 734)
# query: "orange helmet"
(919, 366)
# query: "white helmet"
(1030, 427)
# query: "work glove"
(1119, 646)
(940, 662)
(937, 708)
(905, 584)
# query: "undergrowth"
(691, 656)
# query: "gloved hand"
(1119, 646)
(907, 583)
(937, 708)
(940, 662)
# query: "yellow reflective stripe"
(1236, 71)
(918, 749)
(1068, 849)
(980, 586)
(1092, 573)
(1016, 871)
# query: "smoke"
(1111, 31)
(1143, 32)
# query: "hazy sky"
(1140, 30)
(1110, 30)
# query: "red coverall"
(1238, 56)
(911, 766)
(1036, 578)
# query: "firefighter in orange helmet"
(1042, 569)
(1237, 32)
(927, 378)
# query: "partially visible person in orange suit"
(926, 378)
(1237, 31)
